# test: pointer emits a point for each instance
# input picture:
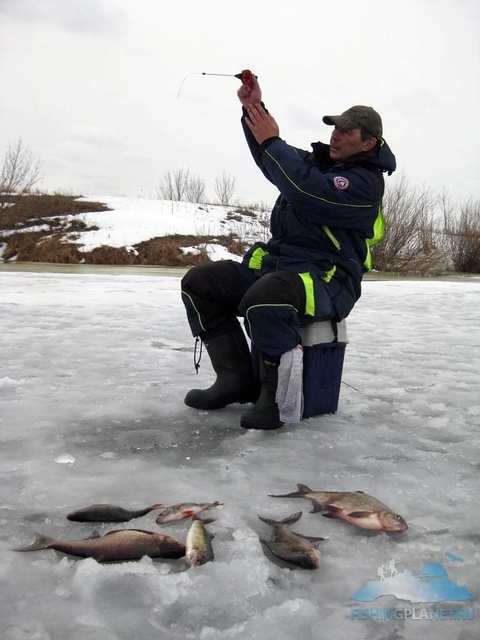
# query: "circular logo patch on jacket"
(340, 182)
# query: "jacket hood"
(381, 157)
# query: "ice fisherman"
(327, 217)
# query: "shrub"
(46, 249)
(110, 255)
(20, 172)
(25, 211)
(462, 233)
(167, 251)
(413, 241)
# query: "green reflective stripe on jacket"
(329, 274)
(312, 195)
(336, 243)
(309, 293)
(378, 233)
(256, 258)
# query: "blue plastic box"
(324, 346)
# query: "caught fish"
(199, 542)
(292, 547)
(123, 544)
(355, 507)
(185, 510)
(110, 513)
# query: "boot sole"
(210, 407)
(261, 427)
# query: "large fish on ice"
(110, 513)
(355, 507)
(292, 547)
(123, 544)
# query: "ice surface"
(93, 374)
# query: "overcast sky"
(92, 86)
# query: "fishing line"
(245, 76)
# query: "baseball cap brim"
(340, 121)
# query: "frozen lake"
(95, 365)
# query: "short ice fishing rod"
(246, 76)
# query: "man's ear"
(369, 144)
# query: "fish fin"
(218, 504)
(318, 506)
(157, 505)
(188, 513)
(327, 510)
(41, 542)
(359, 514)
(360, 492)
(302, 488)
(310, 538)
(95, 534)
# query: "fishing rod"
(246, 76)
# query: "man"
(325, 220)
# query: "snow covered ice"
(94, 369)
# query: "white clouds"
(116, 67)
(88, 17)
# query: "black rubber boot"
(264, 415)
(232, 362)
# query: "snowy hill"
(124, 233)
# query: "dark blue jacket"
(324, 221)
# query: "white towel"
(289, 396)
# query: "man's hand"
(261, 123)
(250, 93)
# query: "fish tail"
(203, 520)
(302, 489)
(41, 542)
(292, 519)
(288, 520)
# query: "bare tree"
(173, 184)
(462, 233)
(225, 187)
(413, 242)
(21, 171)
(180, 186)
(195, 190)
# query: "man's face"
(347, 142)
